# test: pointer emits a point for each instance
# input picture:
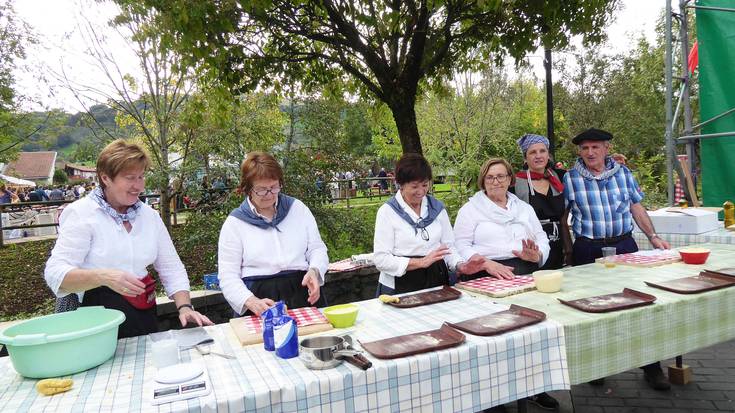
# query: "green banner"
(716, 37)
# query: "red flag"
(693, 59)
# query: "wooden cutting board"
(498, 288)
(309, 321)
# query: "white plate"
(178, 373)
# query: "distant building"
(76, 172)
(33, 166)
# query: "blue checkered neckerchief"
(611, 168)
(99, 197)
(600, 205)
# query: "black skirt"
(520, 267)
(435, 275)
(284, 286)
(137, 322)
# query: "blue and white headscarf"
(529, 139)
(99, 197)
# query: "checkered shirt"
(600, 208)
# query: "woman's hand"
(434, 256)
(311, 282)
(499, 270)
(186, 314)
(530, 251)
(475, 264)
(121, 282)
(258, 305)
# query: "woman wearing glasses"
(498, 228)
(269, 247)
(413, 246)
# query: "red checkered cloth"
(304, 316)
(495, 287)
(678, 192)
(644, 258)
(343, 266)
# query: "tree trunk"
(165, 207)
(404, 114)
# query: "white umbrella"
(16, 181)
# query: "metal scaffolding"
(686, 136)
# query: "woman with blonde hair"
(269, 247)
(500, 228)
(106, 241)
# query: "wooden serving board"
(705, 281)
(309, 320)
(417, 343)
(427, 297)
(498, 323)
(611, 302)
(497, 288)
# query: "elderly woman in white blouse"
(413, 245)
(498, 228)
(269, 247)
(106, 241)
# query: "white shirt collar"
(402, 202)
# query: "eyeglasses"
(264, 192)
(424, 231)
(497, 178)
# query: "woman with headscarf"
(269, 247)
(540, 185)
(108, 239)
(413, 247)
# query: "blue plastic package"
(286, 337)
(270, 316)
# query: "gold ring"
(125, 290)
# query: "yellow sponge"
(53, 386)
(388, 298)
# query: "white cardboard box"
(684, 221)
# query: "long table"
(718, 236)
(600, 345)
(482, 372)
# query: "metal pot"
(325, 352)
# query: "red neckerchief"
(553, 179)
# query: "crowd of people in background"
(10, 195)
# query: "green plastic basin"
(64, 343)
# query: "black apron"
(435, 275)
(520, 267)
(137, 322)
(550, 209)
(283, 286)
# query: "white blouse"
(246, 250)
(395, 240)
(482, 227)
(90, 238)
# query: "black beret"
(592, 134)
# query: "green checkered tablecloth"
(599, 345)
(718, 236)
(480, 373)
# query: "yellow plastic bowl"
(548, 281)
(341, 316)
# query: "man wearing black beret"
(604, 199)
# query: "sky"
(62, 52)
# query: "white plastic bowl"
(548, 281)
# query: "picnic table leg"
(680, 373)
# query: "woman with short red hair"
(108, 239)
(269, 247)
